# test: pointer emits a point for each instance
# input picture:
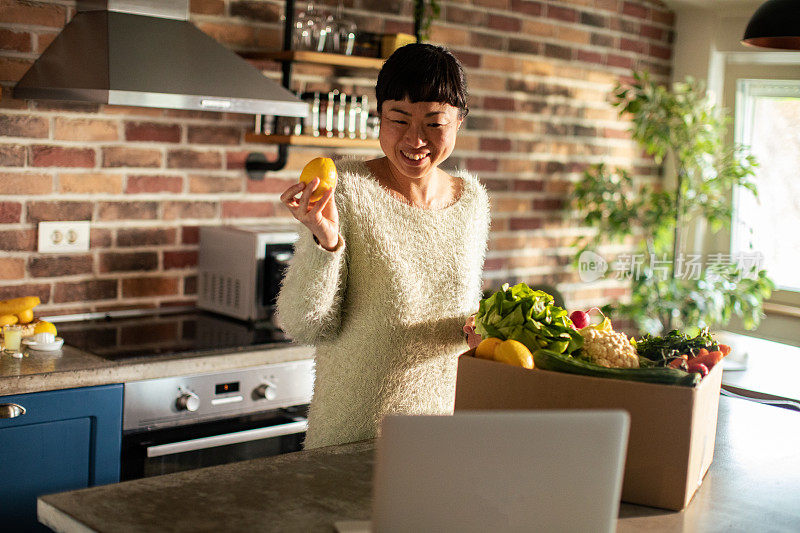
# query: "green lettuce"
(527, 316)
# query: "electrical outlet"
(64, 237)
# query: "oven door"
(169, 450)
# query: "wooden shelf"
(304, 56)
(308, 140)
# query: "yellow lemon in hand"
(513, 353)
(324, 169)
(485, 350)
(44, 327)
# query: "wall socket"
(64, 236)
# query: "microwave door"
(276, 261)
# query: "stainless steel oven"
(181, 423)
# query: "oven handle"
(279, 430)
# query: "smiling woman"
(390, 269)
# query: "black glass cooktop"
(190, 332)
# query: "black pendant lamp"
(776, 24)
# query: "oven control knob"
(188, 401)
(266, 390)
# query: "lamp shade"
(776, 24)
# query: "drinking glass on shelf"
(307, 26)
(337, 34)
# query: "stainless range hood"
(147, 53)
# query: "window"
(768, 121)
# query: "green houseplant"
(425, 12)
(684, 132)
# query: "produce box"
(672, 432)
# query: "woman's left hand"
(473, 339)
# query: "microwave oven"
(240, 268)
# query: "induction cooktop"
(145, 334)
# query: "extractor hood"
(147, 53)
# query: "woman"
(390, 267)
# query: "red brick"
(217, 184)
(663, 17)
(528, 185)
(154, 184)
(18, 41)
(81, 129)
(651, 32)
(214, 135)
(17, 240)
(562, 13)
(58, 210)
(127, 210)
(503, 23)
(630, 45)
(50, 266)
(548, 204)
(128, 261)
(635, 10)
(242, 35)
(208, 7)
(614, 60)
(64, 106)
(589, 57)
(190, 234)
(193, 159)
(236, 160)
(100, 238)
(237, 209)
(494, 144)
(120, 156)
(145, 236)
(498, 103)
(465, 15)
(180, 259)
(527, 7)
(60, 156)
(13, 68)
(12, 268)
(152, 131)
(468, 59)
(661, 52)
(83, 291)
(190, 285)
(259, 11)
(42, 290)
(525, 223)
(34, 13)
(43, 40)
(27, 183)
(557, 52)
(479, 164)
(12, 155)
(173, 210)
(141, 287)
(90, 183)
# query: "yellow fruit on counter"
(7, 320)
(324, 169)
(513, 353)
(17, 305)
(25, 316)
(485, 350)
(44, 327)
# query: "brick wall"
(539, 73)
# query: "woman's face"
(417, 137)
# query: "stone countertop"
(752, 485)
(70, 367)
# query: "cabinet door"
(66, 440)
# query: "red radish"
(698, 367)
(580, 319)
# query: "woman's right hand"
(321, 217)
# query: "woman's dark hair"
(423, 73)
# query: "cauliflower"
(608, 348)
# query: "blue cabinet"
(65, 440)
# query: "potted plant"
(684, 132)
(425, 12)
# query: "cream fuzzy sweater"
(385, 311)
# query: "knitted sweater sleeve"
(310, 300)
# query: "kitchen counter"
(70, 367)
(752, 485)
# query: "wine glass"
(307, 27)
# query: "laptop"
(498, 471)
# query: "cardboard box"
(672, 433)
(391, 42)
